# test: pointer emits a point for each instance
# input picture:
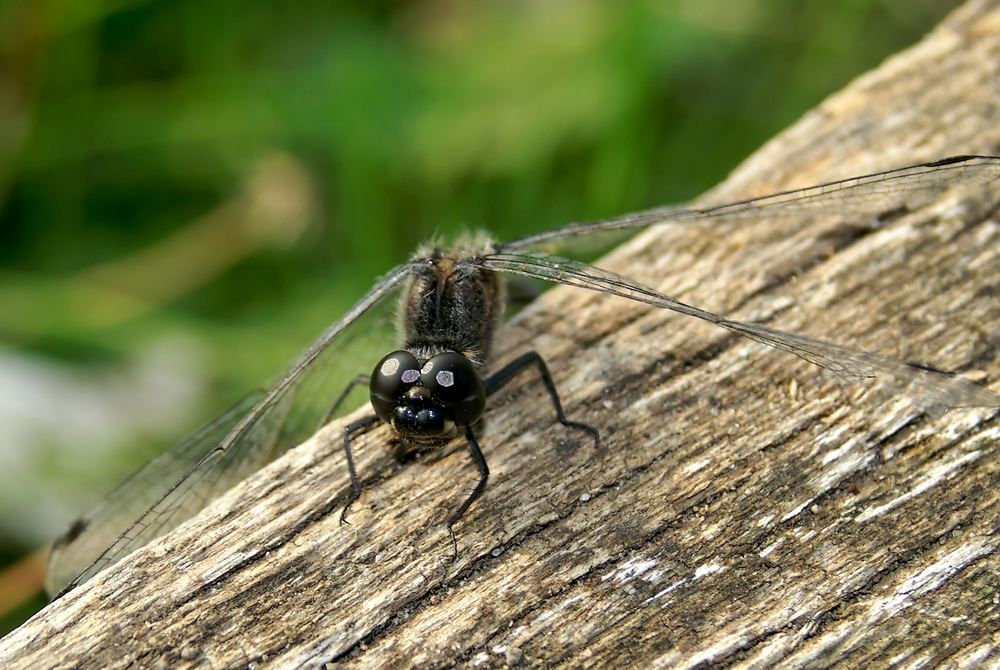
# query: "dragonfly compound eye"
(454, 382)
(390, 379)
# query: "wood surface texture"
(749, 510)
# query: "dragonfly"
(433, 388)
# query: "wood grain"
(748, 510)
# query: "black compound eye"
(454, 382)
(390, 379)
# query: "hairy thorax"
(451, 304)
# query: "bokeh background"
(190, 191)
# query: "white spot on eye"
(428, 366)
(389, 367)
(445, 378)
(410, 376)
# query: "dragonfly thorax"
(451, 303)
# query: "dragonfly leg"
(500, 378)
(484, 474)
(356, 381)
(356, 428)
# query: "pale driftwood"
(748, 511)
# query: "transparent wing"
(233, 446)
(859, 198)
(91, 533)
(934, 390)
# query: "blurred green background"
(190, 191)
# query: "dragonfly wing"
(933, 390)
(859, 198)
(91, 533)
(233, 446)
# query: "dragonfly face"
(426, 402)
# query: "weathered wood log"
(748, 510)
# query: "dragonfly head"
(427, 401)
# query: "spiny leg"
(495, 382)
(484, 474)
(500, 378)
(360, 426)
(357, 380)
